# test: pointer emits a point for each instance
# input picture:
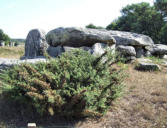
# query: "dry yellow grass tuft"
(144, 104)
(12, 52)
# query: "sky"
(18, 17)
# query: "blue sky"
(17, 17)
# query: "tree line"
(142, 18)
(4, 37)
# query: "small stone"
(146, 66)
(31, 125)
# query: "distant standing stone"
(2, 43)
(35, 44)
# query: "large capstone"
(78, 37)
(131, 39)
(35, 44)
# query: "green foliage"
(161, 5)
(163, 34)
(93, 26)
(156, 60)
(140, 18)
(75, 84)
(4, 37)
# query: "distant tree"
(1, 34)
(163, 34)
(4, 37)
(93, 26)
(161, 5)
(140, 18)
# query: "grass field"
(143, 104)
(12, 52)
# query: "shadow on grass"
(15, 115)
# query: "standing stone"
(139, 52)
(35, 44)
(11, 44)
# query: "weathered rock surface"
(147, 65)
(165, 57)
(78, 37)
(131, 39)
(157, 49)
(68, 49)
(164, 63)
(100, 48)
(144, 60)
(126, 50)
(35, 44)
(55, 51)
(140, 52)
(148, 54)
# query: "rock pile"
(96, 41)
(130, 45)
(67, 39)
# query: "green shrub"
(74, 84)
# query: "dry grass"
(12, 52)
(144, 104)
